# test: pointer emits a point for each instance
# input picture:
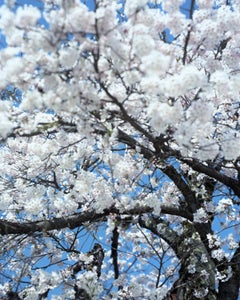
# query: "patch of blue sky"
(11, 93)
(90, 4)
(3, 43)
(185, 8)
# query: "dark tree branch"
(229, 290)
(189, 248)
(12, 296)
(176, 211)
(185, 47)
(183, 187)
(191, 11)
(213, 173)
(71, 222)
(114, 251)
(80, 219)
(131, 142)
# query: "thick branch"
(176, 211)
(190, 249)
(160, 228)
(73, 221)
(184, 188)
(131, 142)
(229, 290)
(211, 172)
(114, 251)
(78, 220)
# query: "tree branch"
(229, 290)
(184, 188)
(189, 248)
(201, 168)
(71, 222)
(114, 251)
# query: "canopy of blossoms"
(126, 130)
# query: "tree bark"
(229, 290)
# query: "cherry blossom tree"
(120, 161)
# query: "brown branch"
(191, 9)
(185, 47)
(71, 222)
(131, 142)
(114, 251)
(229, 290)
(176, 211)
(211, 172)
(77, 220)
(188, 247)
(126, 117)
(184, 188)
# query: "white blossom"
(224, 204)
(131, 6)
(118, 122)
(219, 254)
(201, 292)
(205, 3)
(27, 16)
(68, 57)
(201, 216)
(192, 269)
(6, 125)
(231, 147)
(155, 62)
(163, 115)
(171, 6)
(204, 258)
(213, 240)
(88, 282)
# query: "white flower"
(68, 57)
(201, 111)
(191, 269)
(223, 205)
(44, 280)
(200, 216)
(186, 80)
(29, 294)
(13, 67)
(79, 18)
(231, 147)
(143, 48)
(159, 293)
(232, 243)
(153, 201)
(171, 6)
(6, 18)
(89, 282)
(219, 254)
(151, 84)
(131, 6)
(155, 63)
(213, 241)
(205, 3)
(6, 125)
(162, 114)
(27, 16)
(204, 258)
(224, 276)
(86, 258)
(200, 293)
